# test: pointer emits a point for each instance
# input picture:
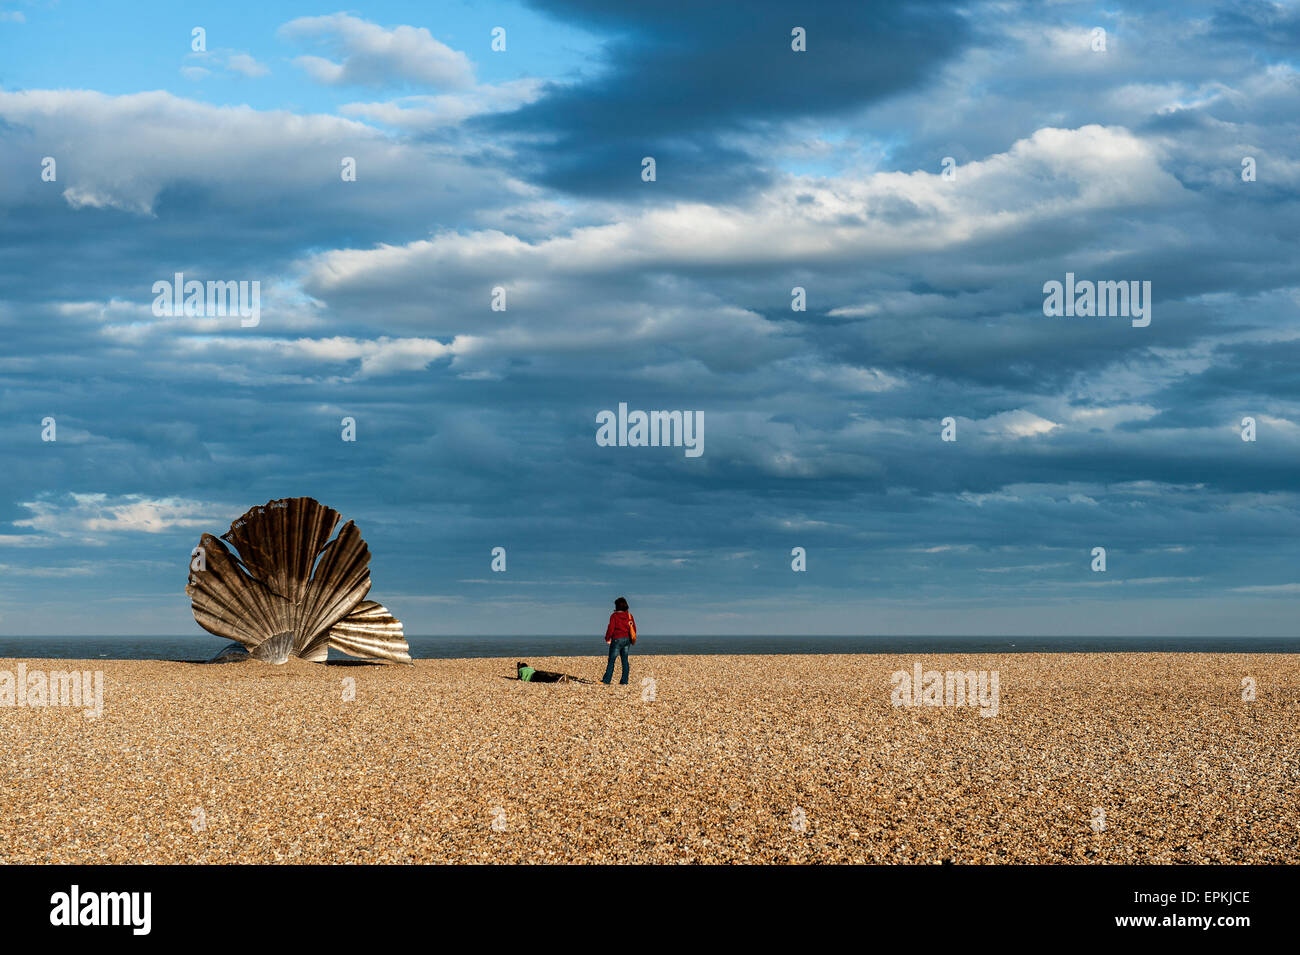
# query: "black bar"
(332, 905)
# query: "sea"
(202, 646)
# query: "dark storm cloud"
(679, 79)
(1259, 24)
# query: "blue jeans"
(618, 646)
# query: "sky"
(921, 171)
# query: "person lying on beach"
(529, 675)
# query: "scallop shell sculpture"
(288, 590)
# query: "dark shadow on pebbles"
(328, 663)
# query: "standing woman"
(620, 634)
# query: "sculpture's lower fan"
(291, 591)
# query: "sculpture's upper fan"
(268, 598)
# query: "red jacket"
(621, 624)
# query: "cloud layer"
(822, 171)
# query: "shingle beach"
(1114, 758)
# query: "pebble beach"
(1091, 758)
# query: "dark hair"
(620, 603)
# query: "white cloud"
(79, 197)
(23, 570)
(851, 378)
(1108, 418)
(370, 55)
(377, 357)
(246, 65)
(24, 540)
(447, 109)
(1053, 174)
(143, 143)
(94, 514)
(1269, 589)
(1016, 424)
(640, 558)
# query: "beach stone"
(1091, 758)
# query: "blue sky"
(521, 169)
